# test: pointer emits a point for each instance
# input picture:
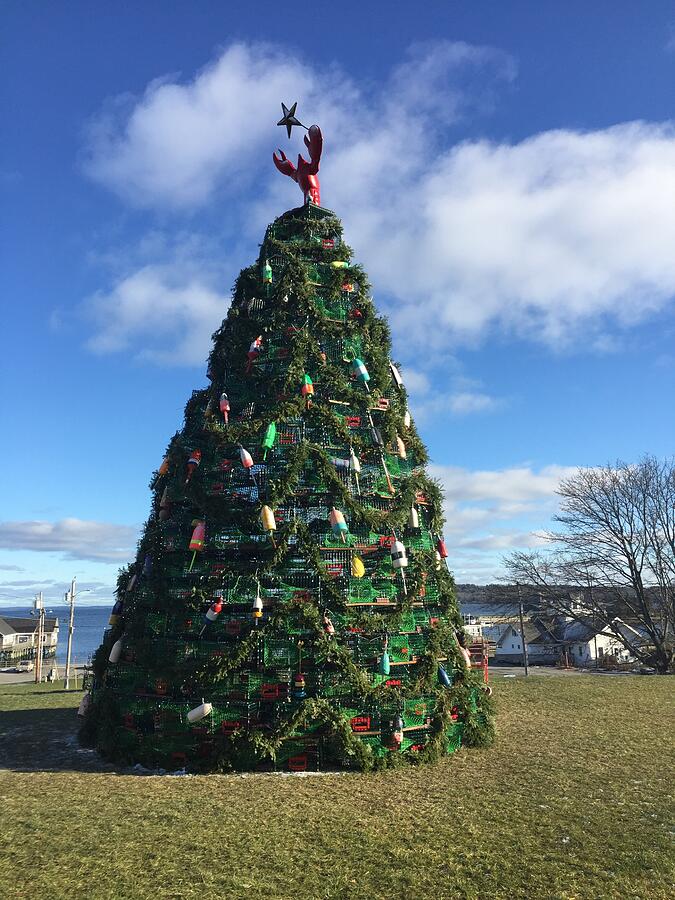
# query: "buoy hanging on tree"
(379, 443)
(384, 664)
(299, 685)
(400, 447)
(322, 354)
(267, 273)
(396, 375)
(253, 352)
(443, 678)
(257, 608)
(193, 463)
(116, 613)
(339, 264)
(199, 712)
(132, 582)
(147, 564)
(328, 626)
(397, 736)
(269, 438)
(441, 549)
(197, 540)
(358, 569)
(413, 518)
(437, 557)
(406, 419)
(307, 389)
(164, 468)
(361, 373)
(83, 708)
(224, 404)
(115, 651)
(164, 505)
(355, 466)
(268, 522)
(399, 560)
(338, 524)
(214, 610)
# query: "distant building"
(19, 638)
(558, 641)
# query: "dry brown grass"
(573, 802)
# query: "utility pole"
(522, 632)
(66, 678)
(39, 603)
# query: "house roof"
(18, 624)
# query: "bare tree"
(615, 553)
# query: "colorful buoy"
(399, 557)
(339, 264)
(307, 389)
(267, 273)
(197, 540)
(116, 613)
(361, 373)
(385, 663)
(269, 438)
(441, 549)
(253, 352)
(214, 610)
(224, 404)
(299, 684)
(358, 569)
(193, 463)
(268, 522)
(338, 524)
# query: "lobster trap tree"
(290, 604)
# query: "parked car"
(24, 666)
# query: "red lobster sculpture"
(306, 172)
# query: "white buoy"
(85, 703)
(396, 375)
(115, 651)
(399, 556)
(199, 712)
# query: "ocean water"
(90, 622)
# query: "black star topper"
(289, 119)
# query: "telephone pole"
(522, 632)
(39, 605)
(66, 677)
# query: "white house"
(587, 644)
(19, 637)
(567, 641)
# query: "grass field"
(573, 802)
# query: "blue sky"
(504, 171)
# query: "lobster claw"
(314, 143)
(284, 165)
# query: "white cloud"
(165, 312)
(489, 512)
(75, 538)
(562, 238)
(520, 484)
(175, 145)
